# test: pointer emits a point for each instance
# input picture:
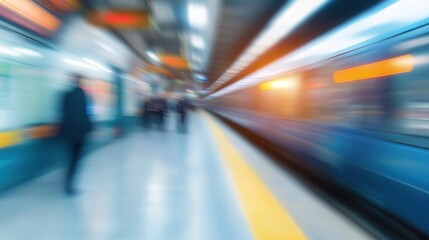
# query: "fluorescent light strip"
(88, 64)
(27, 52)
(106, 47)
(290, 17)
(7, 51)
(153, 56)
(92, 62)
(80, 64)
(386, 17)
(96, 64)
(197, 15)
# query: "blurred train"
(360, 119)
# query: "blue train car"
(368, 134)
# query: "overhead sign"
(120, 19)
(173, 61)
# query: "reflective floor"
(162, 185)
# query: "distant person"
(150, 112)
(75, 126)
(146, 113)
(182, 108)
(162, 111)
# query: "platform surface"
(209, 184)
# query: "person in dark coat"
(182, 108)
(147, 111)
(75, 126)
(162, 111)
(150, 112)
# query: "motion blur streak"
(65, 5)
(32, 12)
(392, 66)
(369, 136)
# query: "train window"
(411, 111)
(410, 92)
(325, 100)
(359, 104)
(365, 105)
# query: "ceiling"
(239, 23)
(330, 16)
(163, 37)
(231, 26)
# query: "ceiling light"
(290, 17)
(200, 77)
(197, 15)
(153, 56)
(197, 41)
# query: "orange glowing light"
(279, 83)
(120, 18)
(31, 12)
(174, 61)
(391, 66)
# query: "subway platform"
(207, 184)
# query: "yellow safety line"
(10, 138)
(267, 218)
